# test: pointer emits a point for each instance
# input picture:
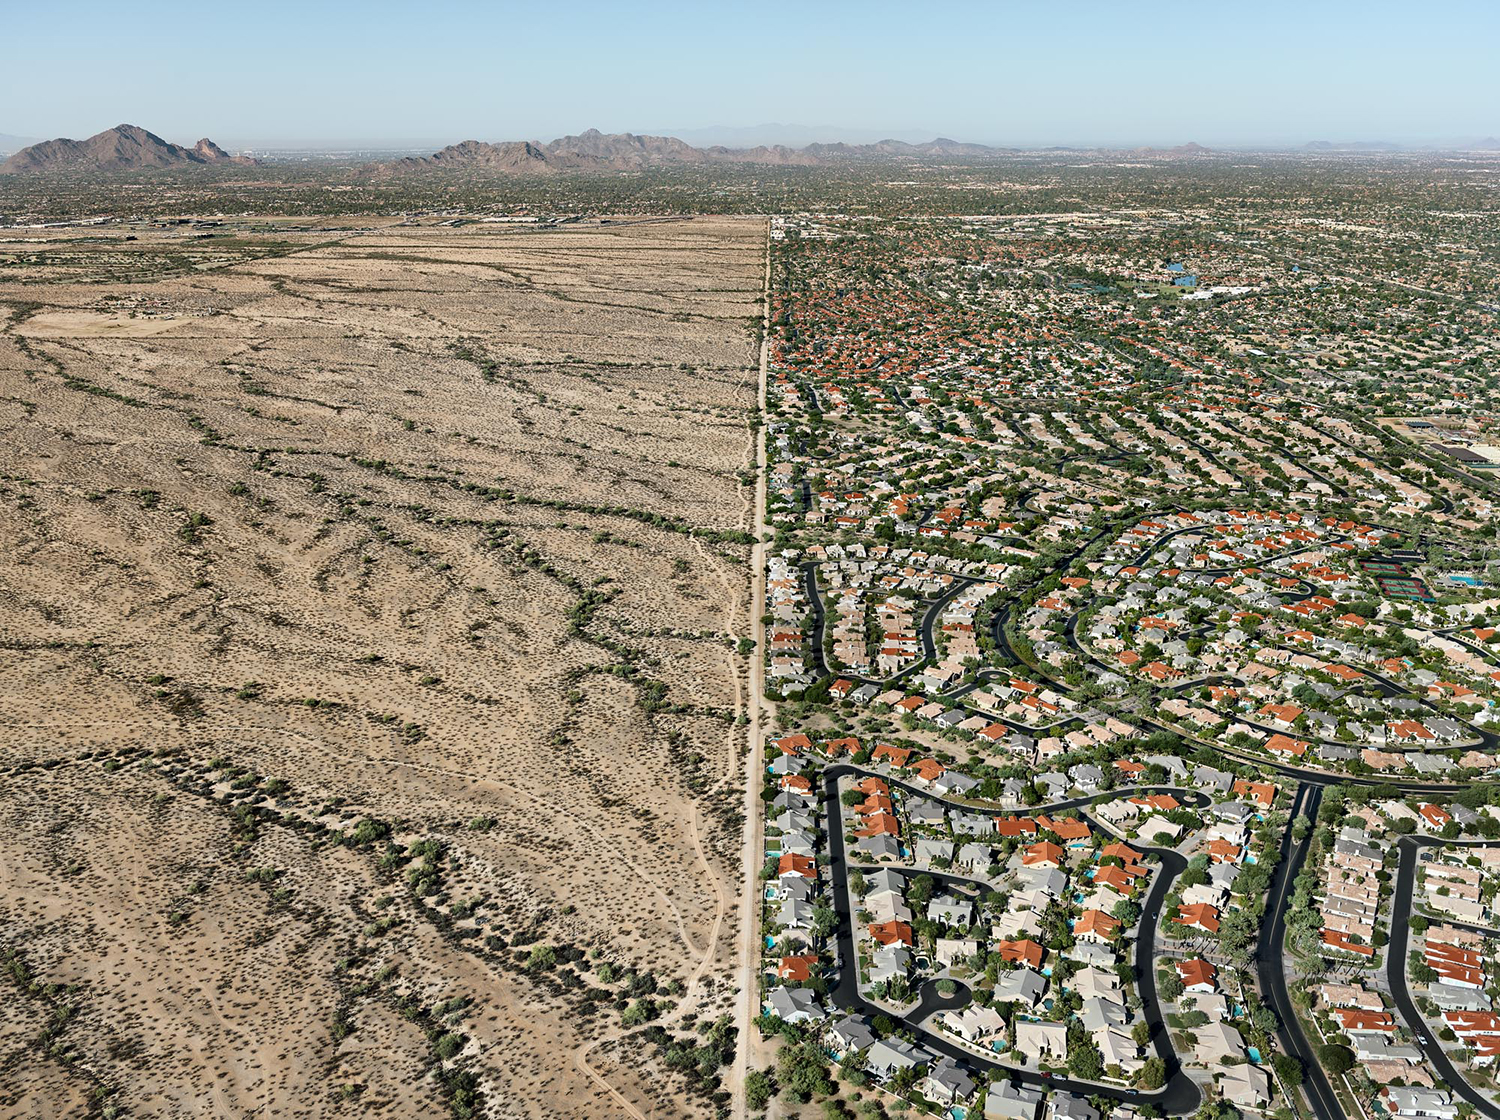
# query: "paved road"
(1270, 959)
(1180, 1096)
(1395, 971)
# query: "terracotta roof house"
(1202, 916)
(1024, 951)
(794, 744)
(797, 969)
(896, 756)
(1285, 744)
(1096, 925)
(1197, 974)
(1069, 828)
(892, 933)
(1117, 879)
(793, 864)
(1263, 793)
(929, 769)
(1044, 854)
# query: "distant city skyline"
(377, 74)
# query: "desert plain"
(371, 605)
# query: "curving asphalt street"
(1409, 850)
(1270, 966)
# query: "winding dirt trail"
(749, 950)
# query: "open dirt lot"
(373, 719)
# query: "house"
(794, 1005)
(888, 1055)
(1071, 830)
(1415, 1102)
(1087, 777)
(1216, 1041)
(798, 969)
(889, 964)
(1263, 793)
(930, 850)
(794, 913)
(1197, 974)
(1042, 1041)
(1199, 917)
(1159, 831)
(1176, 769)
(1093, 981)
(950, 910)
(1213, 1004)
(974, 1023)
(1118, 879)
(791, 864)
(1065, 1106)
(948, 951)
(1021, 985)
(1207, 778)
(1096, 925)
(1246, 1086)
(1007, 1100)
(973, 855)
(1025, 952)
(878, 847)
(850, 1033)
(1099, 1012)
(892, 933)
(1044, 854)
(1117, 1048)
(948, 1083)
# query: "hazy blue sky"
(1066, 71)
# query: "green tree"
(1288, 1068)
(758, 1089)
(802, 1072)
(1336, 1059)
(1153, 1074)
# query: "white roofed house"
(948, 951)
(1118, 1048)
(1417, 1103)
(929, 850)
(1247, 1086)
(974, 1023)
(1041, 1041)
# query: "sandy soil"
(402, 525)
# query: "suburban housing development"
(1131, 640)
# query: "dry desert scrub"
(367, 627)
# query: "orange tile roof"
(1200, 915)
(1044, 852)
(1025, 951)
(892, 933)
(1196, 971)
(1097, 922)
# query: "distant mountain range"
(125, 147)
(131, 148)
(597, 151)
